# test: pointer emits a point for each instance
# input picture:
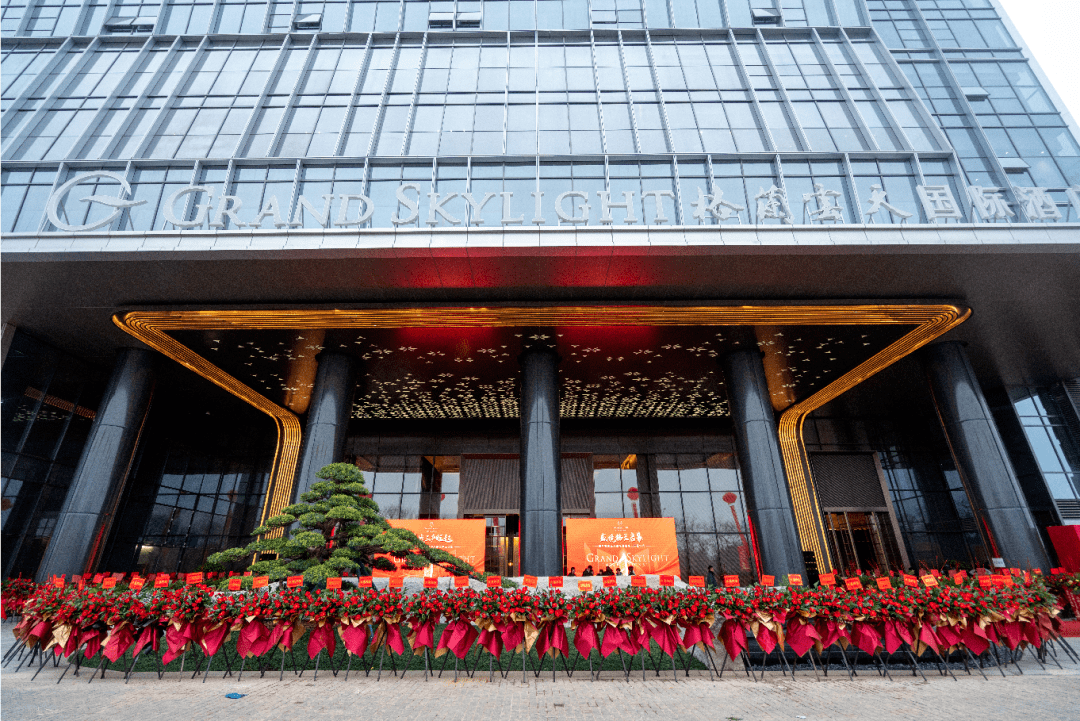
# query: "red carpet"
(1070, 628)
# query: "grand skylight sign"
(201, 206)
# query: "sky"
(1051, 28)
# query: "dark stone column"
(87, 514)
(764, 482)
(541, 467)
(328, 418)
(980, 455)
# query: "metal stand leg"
(914, 662)
(843, 657)
(810, 655)
(749, 666)
(44, 660)
(101, 667)
(978, 666)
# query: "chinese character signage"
(645, 544)
(463, 538)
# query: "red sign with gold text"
(461, 581)
(638, 581)
(555, 581)
(463, 538)
(647, 544)
(697, 581)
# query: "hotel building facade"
(801, 274)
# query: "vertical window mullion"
(215, 16)
(298, 177)
(506, 97)
(864, 129)
(740, 67)
(253, 118)
(834, 14)
(381, 112)
(350, 111)
(80, 22)
(629, 93)
(779, 170)
(287, 113)
(878, 96)
(167, 103)
(679, 220)
(24, 22)
(789, 107)
(969, 114)
(856, 212)
(136, 104)
(536, 94)
(46, 106)
(107, 103)
(32, 87)
(659, 92)
(415, 95)
(599, 102)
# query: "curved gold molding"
(287, 451)
(930, 321)
(790, 426)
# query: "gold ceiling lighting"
(930, 321)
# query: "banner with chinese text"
(462, 537)
(647, 544)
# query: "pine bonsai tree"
(338, 532)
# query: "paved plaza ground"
(1037, 694)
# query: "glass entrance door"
(863, 541)
(501, 553)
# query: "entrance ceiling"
(606, 371)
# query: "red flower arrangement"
(955, 614)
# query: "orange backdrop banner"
(647, 544)
(462, 537)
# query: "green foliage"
(334, 530)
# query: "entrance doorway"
(860, 525)
(502, 549)
(862, 540)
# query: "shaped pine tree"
(338, 531)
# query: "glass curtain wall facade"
(50, 400)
